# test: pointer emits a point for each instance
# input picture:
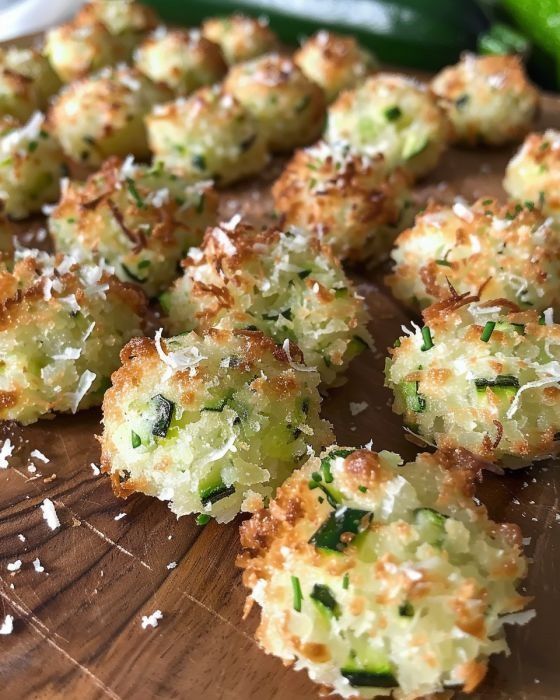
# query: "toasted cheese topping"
(283, 283)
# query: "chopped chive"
(427, 336)
(363, 489)
(326, 469)
(488, 330)
(134, 192)
(316, 476)
(441, 261)
(486, 202)
(203, 519)
(313, 484)
(393, 113)
(345, 581)
(32, 146)
(303, 274)
(143, 263)
(135, 439)
(296, 588)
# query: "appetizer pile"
(377, 577)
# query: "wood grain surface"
(77, 630)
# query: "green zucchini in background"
(423, 34)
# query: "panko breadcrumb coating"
(181, 58)
(142, 220)
(394, 115)
(348, 200)
(74, 50)
(533, 174)
(334, 62)
(27, 81)
(103, 115)
(482, 376)
(510, 251)
(383, 579)
(211, 423)
(127, 20)
(289, 107)
(62, 325)
(31, 165)
(283, 283)
(241, 38)
(487, 98)
(209, 135)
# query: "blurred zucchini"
(423, 34)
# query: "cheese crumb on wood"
(120, 516)
(37, 454)
(95, 469)
(7, 626)
(49, 514)
(5, 452)
(39, 568)
(14, 565)
(151, 620)
(356, 408)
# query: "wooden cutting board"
(77, 631)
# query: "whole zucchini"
(423, 34)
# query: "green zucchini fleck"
(215, 493)
(323, 597)
(131, 274)
(406, 609)
(369, 679)
(431, 524)
(504, 385)
(164, 413)
(393, 113)
(413, 400)
(342, 520)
